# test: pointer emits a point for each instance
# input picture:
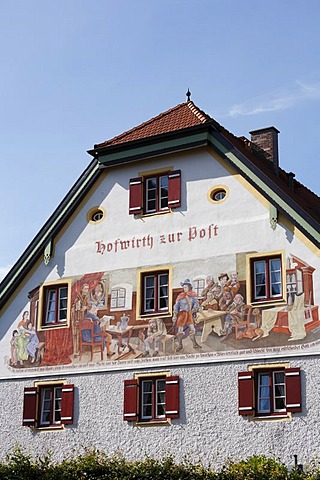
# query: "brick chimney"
(267, 140)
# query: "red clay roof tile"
(179, 117)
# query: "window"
(151, 399)
(217, 194)
(266, 282)
(48, 405)
(96, 215)
(155, 292)
(155, 193)
(118, 298)
(55, 305)
(53, 310)
(269, 392)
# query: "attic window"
(217, 194)
(96, 215)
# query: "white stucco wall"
(209, 427)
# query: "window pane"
(51, 306)
(149, 300)
(45, 406)
(260, 278)
(275, 277)
(279, 389)
(151, 194)
(163, 192)
(163, 291)
(161, 398)
(264, 393)
(146, 399)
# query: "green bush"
(94, 465)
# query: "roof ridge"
(200, 114)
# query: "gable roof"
(181, 116)
(182, 127)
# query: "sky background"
(77, 72)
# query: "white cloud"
(299, 93)
(4, 271)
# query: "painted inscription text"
(149, 241)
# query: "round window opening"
(218, 195)
(96, 216)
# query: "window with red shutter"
(293, 390)
(151, 399)
(130, 406)
(155, 193)
(48, 405)
(30, 407)
(136, 195)
(245, 393)
(269, 392)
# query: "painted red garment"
(58, 347)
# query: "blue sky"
(77, 72)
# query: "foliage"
(94, 465)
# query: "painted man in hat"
(184, 312)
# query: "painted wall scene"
(88, 320)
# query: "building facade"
(176, 287)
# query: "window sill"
(53, 327)
(153, 214)
(146, 316)
(154, 423)
(272, 418)
(269, 303)
(48, 429)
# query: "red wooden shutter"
(67, 404)
(130, 404)
(136, 195)
(172, 397)
(246, 393)
(30, 407)
(174, 189)
(293, 389)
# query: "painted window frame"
(249, 393)
(199, 284)
(114, 300)
(42, 309)
(134, 403)
(42, 399)
(142, 313)
(252, 260)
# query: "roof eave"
(165, 143)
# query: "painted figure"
(33, 342)
(233, 284)
(86, 337)
(210, 303)
(156, 331)
(235, 314)
(223, 280)
(217, 291)
(185, 310)
(98, 295)
(209, 286)
(13, 348)
(23, 338)
(225, 300)
(81, 305)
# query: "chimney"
(267, 140)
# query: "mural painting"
(210, 314)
